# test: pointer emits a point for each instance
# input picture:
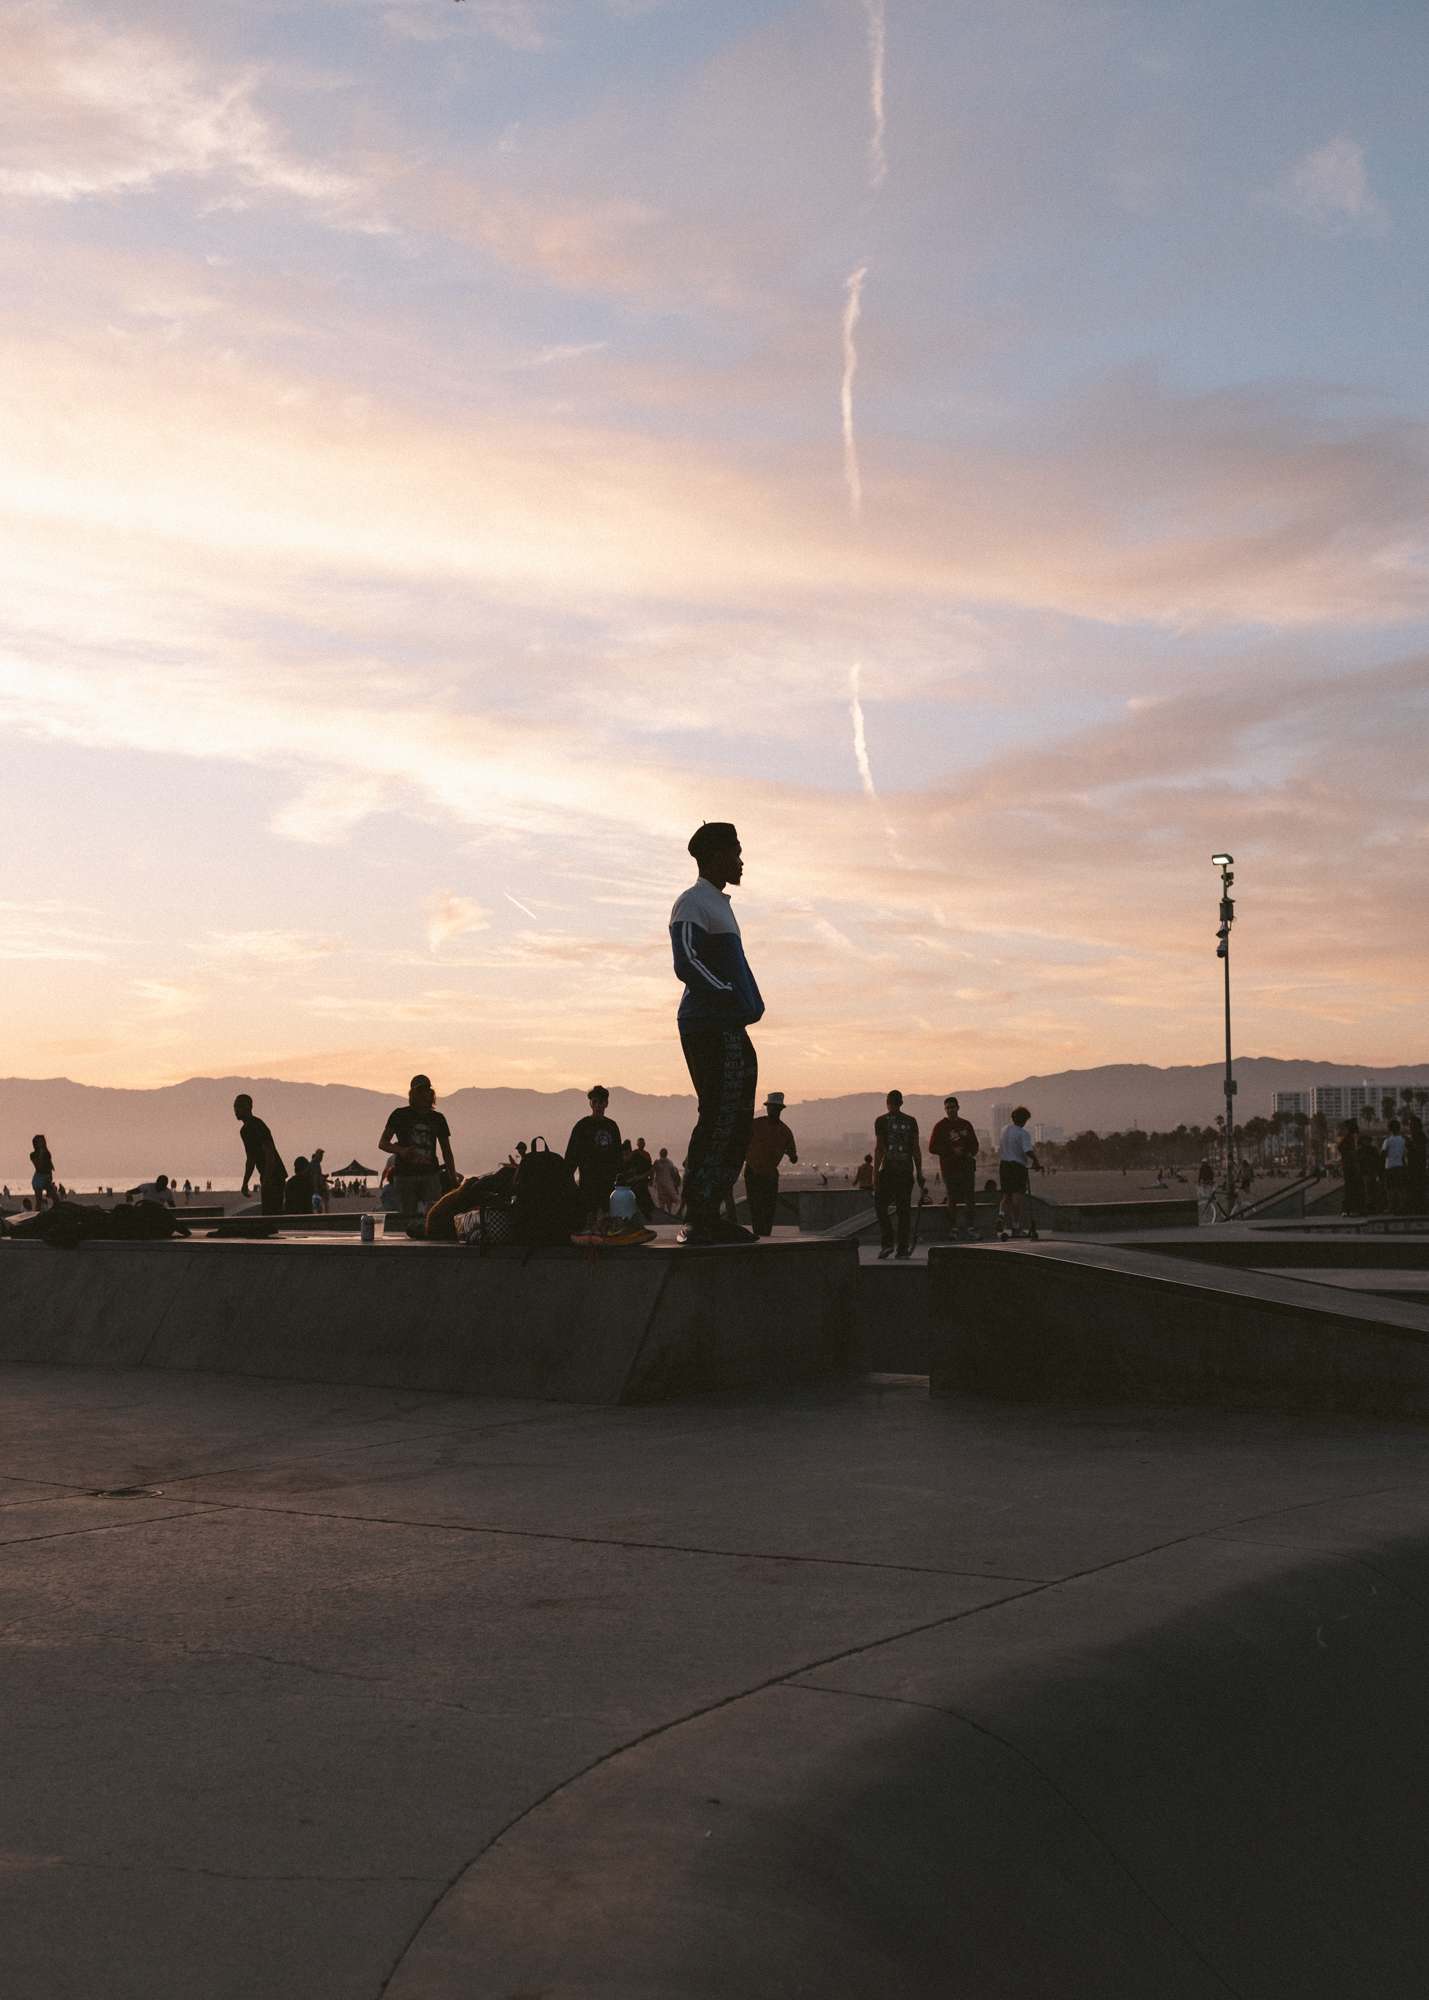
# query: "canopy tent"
(354, 1171)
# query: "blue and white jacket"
(709, 956)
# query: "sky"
(451, 448)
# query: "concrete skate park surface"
(1073, 1321)
(333, 1693)
(571, 1325)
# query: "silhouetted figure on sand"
(720, 1005)
(261, 1157)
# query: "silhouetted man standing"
(897, 1163)
(593, 1154)
(770, 1142)
(720, 1006)
(261, 1157)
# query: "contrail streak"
(853, 308)
(521, 907)
(877, 62)
(860, 735)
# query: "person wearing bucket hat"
(721, 1003)
(770, 1142)
(413, 1135)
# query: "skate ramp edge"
(1190, 1774)
(1073, 1323)
(628, 1327)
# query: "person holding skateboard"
(897, 1162)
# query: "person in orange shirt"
(770, 1142)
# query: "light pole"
(1223, 952)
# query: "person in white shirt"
(1015, 1155)
(1395, 1148)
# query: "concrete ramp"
(571, 1326)
(1073, 1323)
(1196, 1774)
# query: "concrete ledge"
(569, 1326)
(1068, 1323)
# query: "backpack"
(477, 1191)
(547, 1207)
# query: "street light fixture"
(1223, 952)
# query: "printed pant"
(725, 1072)
(763, 1192)
(893, 1199)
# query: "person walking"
(1414, 1150)
(667, 1183)
(593, 1154)
(770, 1142)
(953, 1143)
(863, 1179)
(322, 1186)
(640, 1169)
(261, 1157)
(1016, 1154)
(42, 1178)
(415, 1134)
(897, 1162)
(721, 1004)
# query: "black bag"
(492, 1226)
(547, 1207)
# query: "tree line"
(1296, 1139)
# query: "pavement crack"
(618, 1542)
(105, 1527)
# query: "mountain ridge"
(104, 1131)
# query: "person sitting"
(157, 1189)
(298, 1192)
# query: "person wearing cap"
(593, 1154)
(897, 1162)
(413, 1135)
(721, 1003)
(953, 1144)
(770, 1141)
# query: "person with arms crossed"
(721, 1004)
(897, 1162)
(770, 1141)
(1016, 1154)
(261, 1157)
(953, 1144)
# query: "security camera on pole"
(1223, 952)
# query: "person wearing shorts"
(1016, 1154)
(953, 1143)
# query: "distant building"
(1047, 1135)
(1001, 1116)
(1337, 1101)
(1354, 1100)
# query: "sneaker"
(903, 1253)
(885, 1253)
(706, 1235)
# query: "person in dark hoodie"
(720, 1005)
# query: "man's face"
(597, 1103)
(727, 862)
(242, 1106)
(950, 1105)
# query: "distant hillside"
(188, 1128)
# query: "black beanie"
(714, 833)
